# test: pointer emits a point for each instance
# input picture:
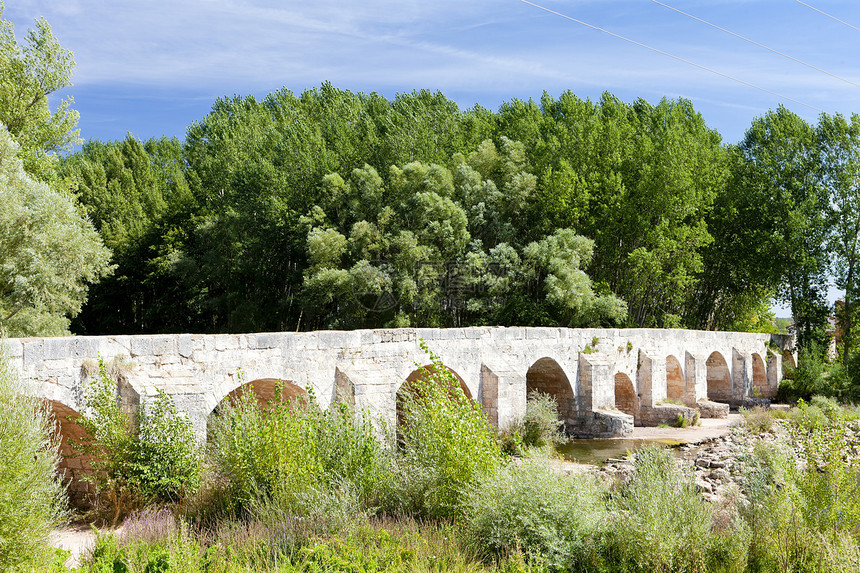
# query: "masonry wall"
(367, 367)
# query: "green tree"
(839, 139)
(138, 198)
(785, 174)
(48, 252)
(29, 73)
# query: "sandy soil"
(77, 539)
(709, 429)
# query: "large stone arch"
(626, 399)
(74, 466)
(719, 378)
(548, 377)
(675, 382)
(422, 374)
(266, 391)
(760, 386)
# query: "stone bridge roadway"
(605, 380)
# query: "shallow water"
(597, 451)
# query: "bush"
(446, 444)
(540, 428)
(553, 519)
(32, 497)
(807, 379)
(663, 524)
(757, 420)
(804, 513)
(295, 457)
(155, 460)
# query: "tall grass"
(661, 523)
(154, 459)
(554, 520)
(804, 511)
(32, 498)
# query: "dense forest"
(334, 209)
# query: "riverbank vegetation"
(289, 486)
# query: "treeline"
(335, 209)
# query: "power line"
(745, 39)
(674, 57)
(828, 15)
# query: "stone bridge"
(605, 380)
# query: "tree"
(839, 142)
(785, 174)
(48, 252)
(29, 73)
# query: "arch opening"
(547, 377)
(626, 399)
(411, 386)
(760, 385)
(74, 467)
(266, 391)
(788, 361)
(719, 378)
(675, 387)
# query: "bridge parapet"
(628, 371)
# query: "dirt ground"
(709, 429)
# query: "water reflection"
(597, 451)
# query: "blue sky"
(153, 67)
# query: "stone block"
(33, 353)
(141, 346)
(185, 345)
(57, 348)
(708, 409)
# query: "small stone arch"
(719, 378)
(788, 360)
(759, 378)
(547, 376)
(675, 385)
(626, 399)
(74, 466)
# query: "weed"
(32, 499)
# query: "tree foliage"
(29, 73)
(48, 252)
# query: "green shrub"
(553, 519)
(757, 420)
(662, 523)
(808, 379)
(446, 443)
(295, 457)
(155, 460)
(540, 428)
(805, 516)
(32, 498)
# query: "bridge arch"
(788, 360)
(675, 384)
(421, 375)
(719, 378)
(626, 399)
(74, 466)
(548, 377)
(266, 391)
(759, 378)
